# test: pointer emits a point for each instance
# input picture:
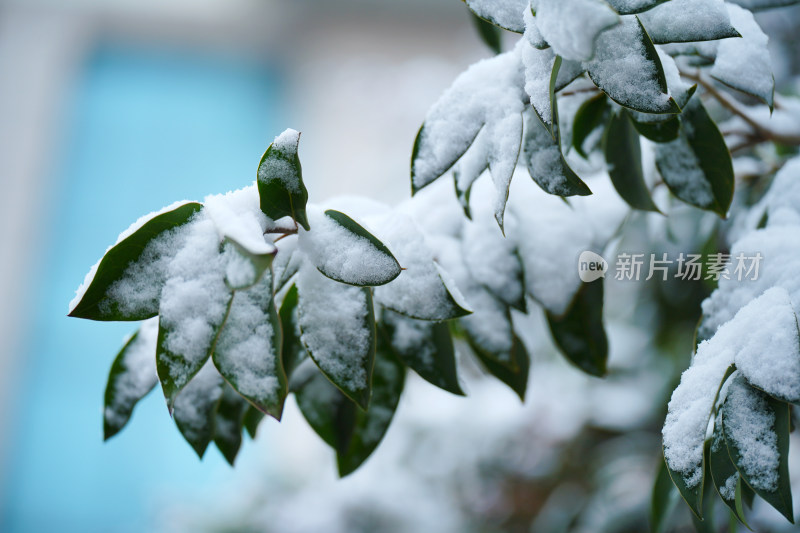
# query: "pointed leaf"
(344, 251)
(724, 475)
(756, 429)
(196, 408)
(490, 329)
(579, 333)
(252, 418)
(697, 165)
(338, 329)
(229, 422)
(423, 290)
(592, 114)
(280, 180)
(681, 21)
(371, 425)
(106, 293)
(632, 77)
(469, 169)
(546, 165)
(490, 34)
(424, 346)
(744, 64)
(329, 412)
(516, 375)
(185, 344)
(248, 349)
(624, 158)
(506, 14)
(506, 141)
(132, 377)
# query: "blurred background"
(110, 109)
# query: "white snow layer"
(487, 91)
(505, 13)
(687, 21)
(139, 377)
(279, 166)
(342, 254)
(749, 322)
(745, 63)
(333, 319)
(572, 27)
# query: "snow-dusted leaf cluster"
(746, 370)
(505, 108)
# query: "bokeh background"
(110, 109)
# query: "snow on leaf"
(194, 303)
(132, 376)
(344, 251)
(572, 27)
(626, 67)
(419, 291)
(758, 5)
(229, 422)
(126, 283)
(504, 13)
(470, 167)
(248, 349)
(487, 91)
(424, 346)
(532, 33)
(744, 64)
(280, 180)
(338, 329)
(756, 431)
(545, 162)
(538, 69)
(196, 406)
(505, 137)
(697, 165)
(680, 21)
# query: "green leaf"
(506, 14)
(744, 64)
(490, 33)
(248, 348)
(624, 157)
(425, 141)
(424, 346)
(99, 302)
(663, 500)
(280, 180)
(293, 352)
(228, 424)
(697, 166)
(693, 496)
(671, 22)
(252, 418)
(515, 375)
(329, 412)
(345, 252)
(131, 378)
(338, 330)
(489, 330)
(371, 425)
(590, 115)
(612, 69)
(545, 162)
(196, 407)
(579, 334)
(660, 132)
(724, 474)
(175, 370)
(781, 496)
